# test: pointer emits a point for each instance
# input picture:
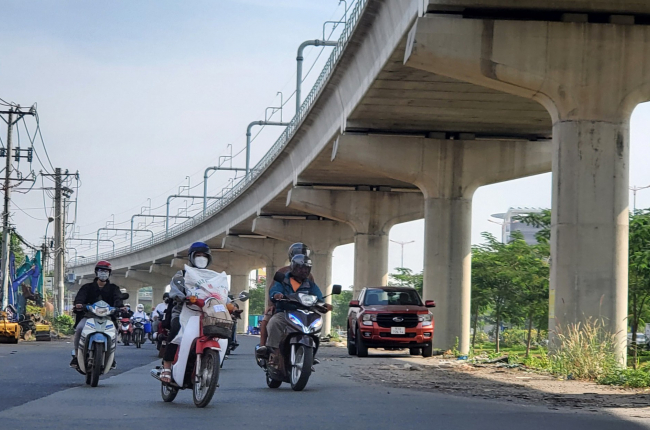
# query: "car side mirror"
(244, 295)
(336, 289)
(354, 303)
(430, 304)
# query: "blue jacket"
(285, 288)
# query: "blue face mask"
(103, 275)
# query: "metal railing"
(269, 157)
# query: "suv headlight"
(425, 319)
(368, 319)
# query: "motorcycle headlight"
(316, 324)
(100, 311)
(294, 319)
(307, 299)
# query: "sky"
(140, 97)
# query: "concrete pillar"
(371, 214)
(321, 237)
(273, 253)
(132, 287)
(589, 77)
(447, 172)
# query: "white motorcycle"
(97, 344)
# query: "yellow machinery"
(43, 332)
(9, 331)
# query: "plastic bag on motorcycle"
(212, 287)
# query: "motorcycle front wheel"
(206, 379)
(137, 338)
(302, 358)
(168, 393)
(126, 338)
(96, 370)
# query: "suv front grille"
(408, 335)
(388, 320)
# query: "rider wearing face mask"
(199, 256)
(140, 313)
(100, 288)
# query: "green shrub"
(482, 337)
(515, 337)
(632, 378)
(64, 324)
(541, 363)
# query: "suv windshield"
(378, 297)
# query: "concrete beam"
(148, 278)
(371, 214)
(321, 237)
(589, 77)
(447, 172)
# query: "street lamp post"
(402, 244)
(634, 190)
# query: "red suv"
(390, 317)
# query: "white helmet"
(140, 308)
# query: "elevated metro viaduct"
(426, 102)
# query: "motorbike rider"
(199, 256)
(100, 288)
(159, 312)
(294, 249)
(140, 313)
(296, 281)
(126, 312)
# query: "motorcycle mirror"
(244, 295)
(336, 289)
(125, 296)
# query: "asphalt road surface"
(39, 391)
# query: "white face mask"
(201, 262)
(102, 275)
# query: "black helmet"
(298, 248)
(199, 247)
(300, 267)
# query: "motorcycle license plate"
(398, 330)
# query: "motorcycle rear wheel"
(207, 378)
(88, 375)
(168, 393)
(98, 357)
(302, 358)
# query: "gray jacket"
(177, 293)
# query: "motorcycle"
(235, 314)
(97, 344)
(138, 332)
(293, 360)
(125, 330)
(200, 354)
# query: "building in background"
(510, 224)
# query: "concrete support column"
(238, 283)
(321, 237)
(447, 172)
(270, 252)
(371, 214)
(589, 77)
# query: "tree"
(257, 297)
(639, 270)
(340, 305)
(406, 278)
(540, 220)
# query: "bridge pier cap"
(371, 214)
(447, 172)
(321, 236)
(589, 77)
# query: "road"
(332, 400)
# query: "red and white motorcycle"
(201, 352)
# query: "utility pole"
(58, 240)
(6, 237)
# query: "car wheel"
(427, 351)
(362, 349)
(415, 351)
(352, 349)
